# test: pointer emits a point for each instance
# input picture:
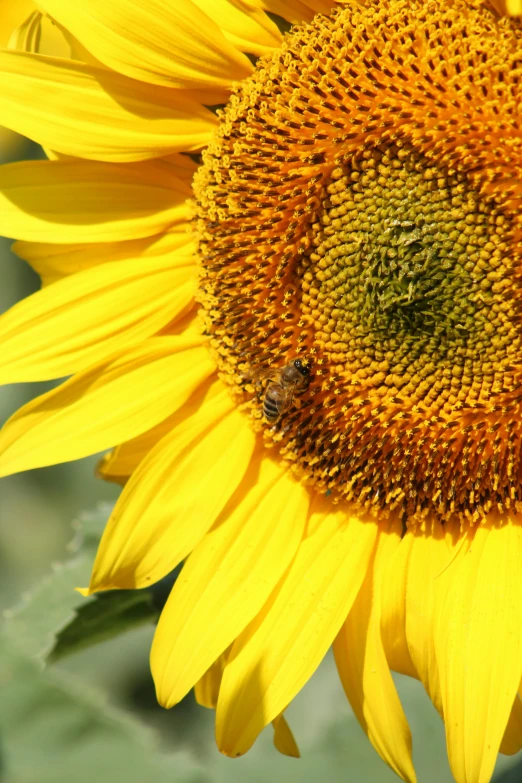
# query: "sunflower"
(281, 254)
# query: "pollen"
(359, 208)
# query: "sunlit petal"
(64, 201)
(276, 654)
(93, 410)
(173, 44)
(227, 579)
(95, 113)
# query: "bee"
(283, 384)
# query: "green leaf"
(33, 624)
(57, 731)
(91, 525)
(89, 528)
(103, 617)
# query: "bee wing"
(286, 403)
(281, 397)
(258, 376)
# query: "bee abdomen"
(270, 410)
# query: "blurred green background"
(93, 715)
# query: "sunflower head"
(359, 207)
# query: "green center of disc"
(406, 279)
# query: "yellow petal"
(279, 651)
(393, 612)
(514, 7)
(512, 739)
(29, 31)
(84, 319)
(322, 6)
(478, 644)
(243, 24)
(227, 578)
(13, 16)
(121, 462)
(105, 405)
(284, 739)
(294, 11)
(210, 96)
(206, 689)
(423, 555)
(53, 262)
(183, 165)
(27, 36)
(65, 201)
(363, 668)
(174, 497)
(54, 155)
(94, 113)
(171, 44)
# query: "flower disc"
(359, 209)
